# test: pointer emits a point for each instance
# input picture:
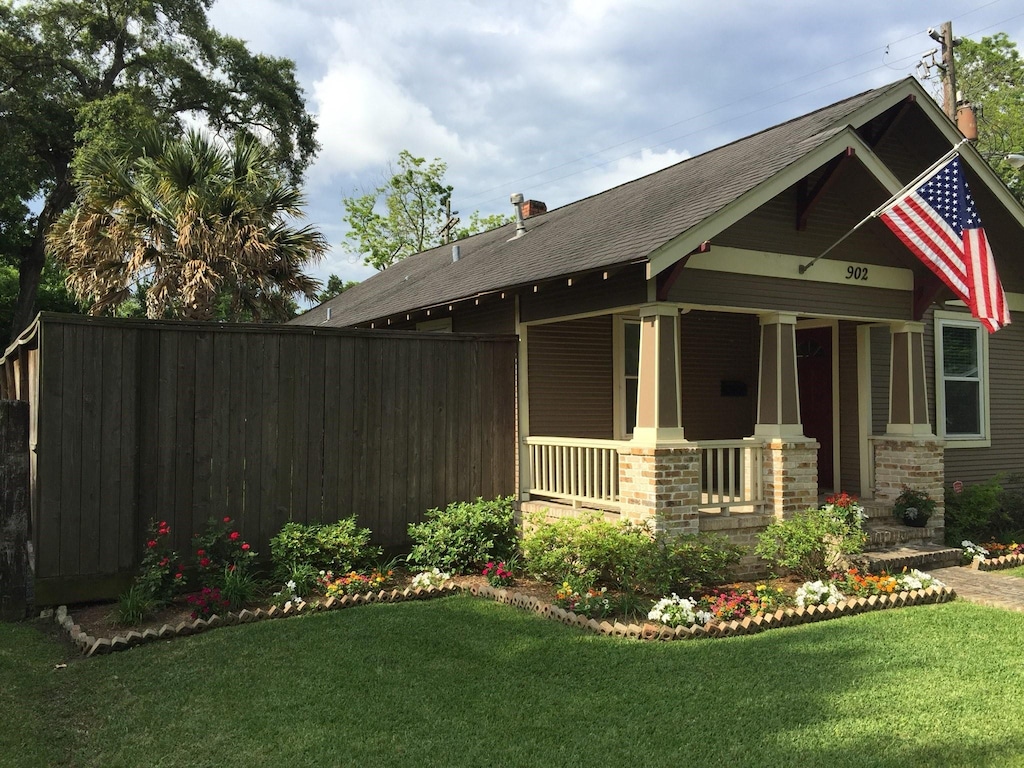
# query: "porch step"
(876, 509)
(888, 532)
(921, 555)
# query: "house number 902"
(856, 273)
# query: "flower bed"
(993, 556)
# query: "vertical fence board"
(301, 374)
(110, 423)
(70, 515)
(204, 494)
(337, 422)
(184, 405)
(316, 395)
(49, 480)
(221, 459)
(129, 453)
(237, 399)
(164, 506)
(269, 412)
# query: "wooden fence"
(134, 421)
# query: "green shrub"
(625, 557)
(811, 544)
(240, 587)
(464, 536)
(973, 513)
(134, 605)
(340, 546)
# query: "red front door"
(814, 372)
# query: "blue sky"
(560, 100)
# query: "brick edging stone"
(997, 563)
(784, 617)
(92, 646)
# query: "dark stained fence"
(135, 421)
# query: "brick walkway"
(984, 587)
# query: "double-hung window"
(627, 374)
(961, 381)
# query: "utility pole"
(944, 36)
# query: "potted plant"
(914, 507)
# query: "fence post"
(15, 569)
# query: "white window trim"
(619, 372)
(984, 440)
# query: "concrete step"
(877, 510)
(884, 533)
(921, 555)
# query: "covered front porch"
(717, 419)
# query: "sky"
(561, 100)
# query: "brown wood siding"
(492, 315)
(880, 353)
(589, 293)
(570, 384)
(849, 427)
(1005, 456)
(179, 422)
(718, 347)
(698, 286)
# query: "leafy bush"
(219, 549)
(240, 587)
(464, 536)
(974, 512)
(811, 544)
(340, 546)
(625, 556)
(134, 605)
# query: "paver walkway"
(990, 588)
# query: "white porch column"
(659, 413)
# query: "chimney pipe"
(516, 198)
(456, 253)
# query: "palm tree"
(205, 227)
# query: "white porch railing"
(730, 476)
(584, 472)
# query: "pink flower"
(234, 535)
(245, 546)
(227, 519)
(178, 575)
(151, 543)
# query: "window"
(961, 381)
(627, 374)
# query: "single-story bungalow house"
(677, 363)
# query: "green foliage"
(161, 573)
(975, 513)
(240, 587)
(76, 77)
(219, 548)
(990, 73)
(480, 223)
(335, 286)
(204, 228)
(134, 605)
(913, 506)
(300, 547)
(464, 536)
(810, 544)
(625, 557)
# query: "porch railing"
(730, 476)
(584, 472)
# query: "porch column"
(659, 472)
(659, 416)
(790, 460)
(909, 455)
(908, 397)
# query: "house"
(677, 362)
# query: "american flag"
(936, 219)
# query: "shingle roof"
(620, 226)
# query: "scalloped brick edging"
(92, 646)
(997, 563)
(787, 617)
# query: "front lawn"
(466, 682)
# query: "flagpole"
(921, 177)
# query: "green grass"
(1018, 571)
(464, 682)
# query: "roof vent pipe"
(456, 253)
(517, 201)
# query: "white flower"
(435, 577)
(818, 593)
(678, 611)
(915, 579)
(291, 586)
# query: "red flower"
(231, 568)
(204, 562)
(164, 562)
(177, 575)
(151, 543)
(227, 519)
(245, 546)
(200, 552)
(234, 535)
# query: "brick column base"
(660, 488)
(790, 476)
(912, 462)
